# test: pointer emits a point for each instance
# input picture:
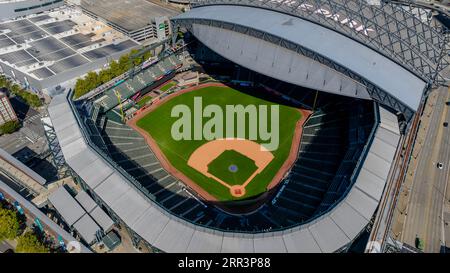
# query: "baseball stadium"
(340, 82)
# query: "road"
(422, 210)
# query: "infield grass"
(221, 167)
(158, 124)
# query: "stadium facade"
(370, 63)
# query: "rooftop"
(130, 15)
(44, 45)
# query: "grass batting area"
(231, 167)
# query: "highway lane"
(425, 207)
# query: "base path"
(205, 154)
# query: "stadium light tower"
(119, 98)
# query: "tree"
(29, 98)
(9, 127)
(124, 63)
(147, 55)
(116, 68)
(15, 89)
(9, 224)
(29, 243)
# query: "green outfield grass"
(159, 122)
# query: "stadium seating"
(332, 143)
(138, 83)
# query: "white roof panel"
(383, 149)
(237, 244)
(301, 241)
(205, 242)
(348, 220)
(67, 207)
(87, 228)
(112, 189)
(328, 235)
(150, 226)
(389, 120)
(388, 136)
(370, 183)
(86, 201)
(84, 158)
(178, 243)
(377, 165)
(95, 173)
(268, 244)
(73, 148)
(130, 206)
(362, 203)
(102, 219)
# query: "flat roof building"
(41, 51)
(81, 213)
(139, 19)
(16, 8)
(7, 112)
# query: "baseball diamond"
(193, 157)
(210, 158)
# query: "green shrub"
(9, 127)
(29, 243)
(116, 68)
(9, 224)
(29, 98)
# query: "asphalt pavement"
(424, 199)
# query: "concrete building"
(138, 19)
(16, 8)
(6, 110)
(189, 78)
(42, 51)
